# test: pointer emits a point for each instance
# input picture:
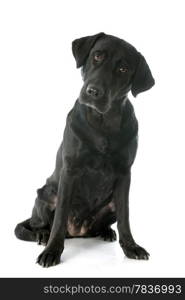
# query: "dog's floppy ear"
(143, 79)
(81, 47)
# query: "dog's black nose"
(93, 91)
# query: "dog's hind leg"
(23, 231)
(38, 227)
(102, 224)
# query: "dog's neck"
(109, 121)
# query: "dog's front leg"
(51, 254)
(121, 198)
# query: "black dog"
(89, 189)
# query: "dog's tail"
(23, 231)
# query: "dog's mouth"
(100, 105)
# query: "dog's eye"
(123, 69)
(98, 57)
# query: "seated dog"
(89, 188)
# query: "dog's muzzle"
(94, 92)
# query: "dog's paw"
(134, 251)
(48, 258)
(108, 234)
(42, 237)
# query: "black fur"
(89, 189)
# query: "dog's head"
(110, 68)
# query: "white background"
(38, 86)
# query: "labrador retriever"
(89, 188)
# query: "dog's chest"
(97, 181)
